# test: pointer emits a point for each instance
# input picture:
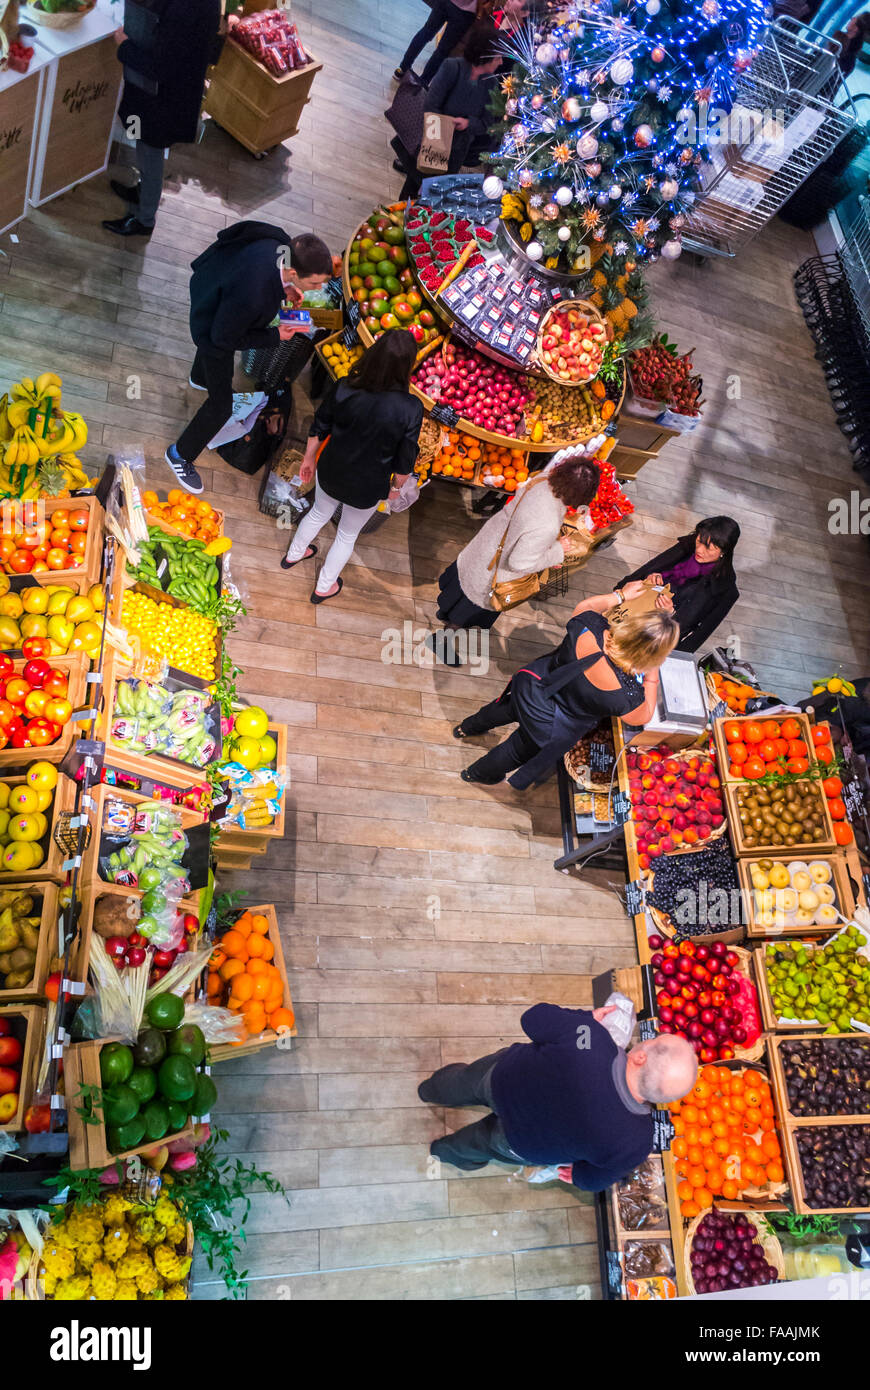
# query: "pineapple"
(103, 1281)
(52, 478)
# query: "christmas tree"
(598, 141)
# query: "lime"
(204, 1095)
(187, 1041)
(148, 879)
(116, 1064)
(123, 1137)
(120, 1104)
(177, 1078)
(165, 1011)
(156, 1114)
(142, 1079)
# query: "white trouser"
(353, 519)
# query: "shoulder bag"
(507, 593)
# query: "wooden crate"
(794, 1171)
(777, 1076)
(90, 893)
(233, 837)
(84, 575)
(152, 766)
(842, 884)
(721, 741)
(223, 1052)
(820, 849)
(232, 860)
(63, 801)
(48, 911)
(257, 108)
(88, 1146)
(327, 342)
(75, 667)
(28, 1025)
(89, 874)
(769, 1017)
(169, 530)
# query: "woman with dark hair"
(457, 17)
(700, 571)
(525, 536)
(363, 435)
(462, 90)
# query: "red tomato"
(39, 553)
(56, 558)
(733, 730)
(790, 729)
(824, 753)
(8, 1080)
(78, 542)
(843, 832)
(781, 747)
(21, 739)
(798, 765)
(753, 768)
(837, 808)
(7, 545)
(753, 732)
(821, 733)
(37, 1119)
(797, 748)
(58, 711)
(768, 751)
(832, 786)
(739, 752)
(771, 728)
(35, 646)
(78, 520)
(35, 673)
(56, 684)
(27, 540)
(10, 1051)
(4, 739)
(20, 562)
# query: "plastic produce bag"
(148, 718)
(255, 797)
(408, 495)
(218, 1025)
(143, 847)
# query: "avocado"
(204, 1095)
(177, 1116)
(123, 1137)
(165, 1011)
(176, 1078)
(120, 1104)
(156, 1115)
(143, 1082)
(187, 1041)
(150, 1048)
(116, 1063)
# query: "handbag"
(507, 593)
(407, 111)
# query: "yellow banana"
(18, 413)
(49, 384)
(77, 424)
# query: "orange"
(770, 1146)
(721, 1147)
(243, 927)
(261, 987)
(149, 499)
(767, 1123)
(681, 1167)
(720, 1129)
(701, 1090)
(691, 1133)
(679, 1148)
(214, 984)
(724, 1078)
(685, 1191)
(705, 1137)
(703, 1197)
(755, 1154)
(254, 1014)
(715, 1180)
(257, 967)
(282, 1018)
(729, 1190)
(268, 949)
(716, 1113)
(711, 1160)
(234, 943)
(695, 1154)
(243, 988)
(753, 1097)
(690, 1114)
(755, 1080)
(217, 958)
(697, 1176)
(775, 1172)
(679, 1124)
(711, 1076)
(750, 1172)
(753, 1117)
(231, 969)
(175, 495)
(256, 945)
(260, 924)
(689, 1209)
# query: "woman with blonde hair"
(559, 697)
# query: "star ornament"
(639, 228)
(590, 219)
(562, 154)
(509, 85)
(703, 94)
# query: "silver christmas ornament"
(510, 107)
(534, 250)
(669, 188)
(711, 9)
(548, 125)
(652, 7)
(598, 111)
(546, 55)
(587, 146)
(593, 169)
(643, 136)
(617, 124)
(492, 187)
(602, 200)
(622, 71)
(564, 234)
(563, 196)
(615, 192)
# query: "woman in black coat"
(166, 47)
(701, 574)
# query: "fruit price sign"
(663, 1131)
(445, 415)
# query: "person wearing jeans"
(457, 17)
(363, 435)
(165, 48)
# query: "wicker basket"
(765, 1238)
(64, 19)
(585, 306)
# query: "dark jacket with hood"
(236, 289)
(701, 604)
(169, 46)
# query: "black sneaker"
(185, 472)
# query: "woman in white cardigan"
(530, 526)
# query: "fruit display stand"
(256, 107)
(75, 668)
(46, 907)
(843, 884)
(88, 1147)
(235, 847)
(223, 1052)
(26, 1023)
(53, 866)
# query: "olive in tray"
(827, 1076)
(791, 814)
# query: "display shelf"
(47, 910)
(89, 874)
(225, 1052)
(233, 837)
(744, 720)
(28, 1025)
(79, 577)
(91, 892)
(807, 848)
(52, 867)
(257, 108)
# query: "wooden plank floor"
(420, 915)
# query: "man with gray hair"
(571, 1093)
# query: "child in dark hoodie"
(238, 285)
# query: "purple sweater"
(563, 1097)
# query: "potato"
(17, 979)
(111, 917)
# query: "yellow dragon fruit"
(115, 1209)
(87, 1255)
(176, 1234)
(126, 1291)
(61, 1236)
(133, 1264)
(58, 1261)
(172, 1267)
(84, 1226)
(147, 1282)
(115, 1243)
(165, 1211)
(175, 1293)
(49, 1284)
(74, 1289)
(103, 1281)
(150, 1230)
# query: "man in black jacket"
(166, 47)
(238, 285)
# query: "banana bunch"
(23, 449)
(75, 433)
(75, 475)
(46, 387)
(833, 685)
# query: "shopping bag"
(436, 143)
(405, 114)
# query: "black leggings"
(214, 371)
(517, 749)
(456, 25)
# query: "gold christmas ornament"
(562, 154)
(527, 178)
(551, 211)
(509, 85)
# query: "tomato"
(832, 786)
(768, 751)
(60, 517)
(40, 733)
(35, 672)
(843, 832)
(39, 566)
(35, 702)
(20, 562)
(11, 1051)
(72, 560)
(78, 542)
(78, 520)
(733, 730)
(56, 558)
(739, 752)
(17, 690)
(790, 728)
(56, 684)
(21, 739)
(837, 808)
(27, 540)
(781, 747)
(798, 765)
(753, 768)
(753, 732)
(58, 711)
(8, 1080)
(824, 753)
(797, 748)
(770, 728)
(821, 733)
(35, 646)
